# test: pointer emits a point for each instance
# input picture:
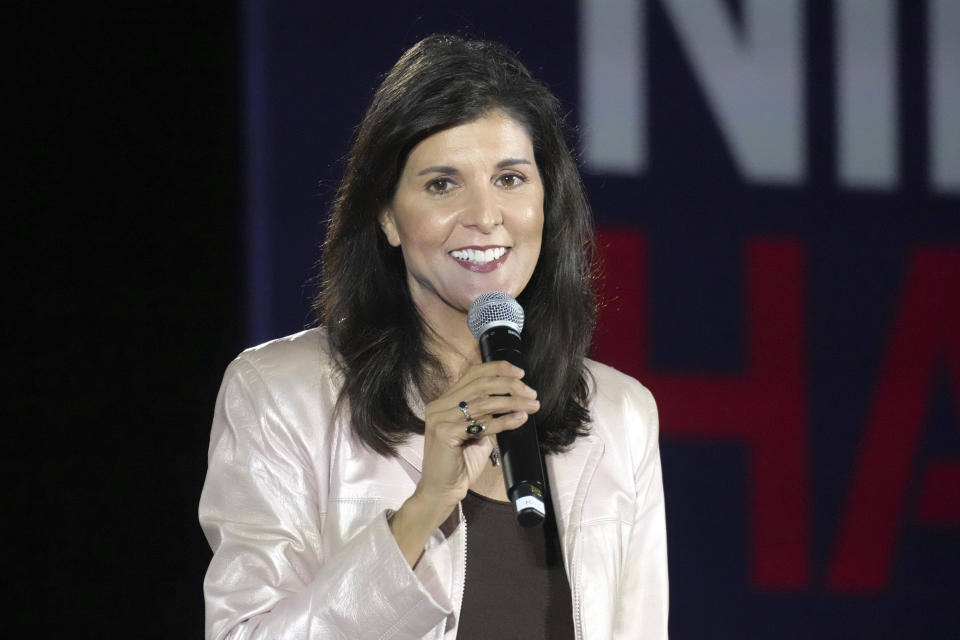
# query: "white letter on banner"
(944, 42)
(753, 80)
(867, 122)
(612, 90)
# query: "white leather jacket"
(295, 510)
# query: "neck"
(449, 340)
(455, 352)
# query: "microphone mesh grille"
(494, 308)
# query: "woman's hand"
(452, 458)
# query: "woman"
(345, 468)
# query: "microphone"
(496, 320)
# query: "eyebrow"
(424, 172)
(506, 162)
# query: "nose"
(483, 211)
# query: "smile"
(480, 260)
(479, 256)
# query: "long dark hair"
(373, 326)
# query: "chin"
(514, 290)
(471, 291)
(496, 287)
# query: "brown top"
(516, 584)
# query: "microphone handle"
(520, 448)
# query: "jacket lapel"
(570, 474)
(412, 448)
(411, 451)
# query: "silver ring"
(474, 429)
(465, 410)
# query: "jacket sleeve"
(263, 514)
(643, 614)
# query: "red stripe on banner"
(940, 500)
(765, 406)
(924, 337)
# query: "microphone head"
(494, 309)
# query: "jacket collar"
(411, 451)
(412, 448)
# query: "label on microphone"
(530, 502)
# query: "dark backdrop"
(124, 258)
(173, 164)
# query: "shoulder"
(299, 356)
(299, 367)
(622, 410)
(298, 349)
(283, 392)
(610, 388)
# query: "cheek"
(537, 234)
(535, 225)
(425, 223)
(409, 231)
(422, 240)
(537, 214)
(533, 239)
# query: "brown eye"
(439, 186)
(510, 180)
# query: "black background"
(124, 257)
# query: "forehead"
(491, 137)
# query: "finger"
(482, 396)
(456, 432)
(481, 409)
(493, 426)
(490, 406)
(476, 454)
(489, 386)
(496, 368)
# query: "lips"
(480, 259)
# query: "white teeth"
(479, 257)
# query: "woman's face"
(468, 214)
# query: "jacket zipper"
(463, 573)
(577, 623)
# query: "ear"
(389, 227)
